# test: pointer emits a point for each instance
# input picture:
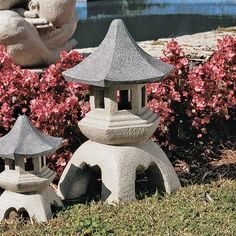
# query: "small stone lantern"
(26, 177)
(119, 124)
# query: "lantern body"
(119, 124)
(26, 177)
(119, 115)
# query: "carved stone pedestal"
(118, 165)
(38, 205)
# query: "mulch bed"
(208, 166)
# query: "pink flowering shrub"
(53, 105)
(165, 97)
(190, 100)
(213, 86)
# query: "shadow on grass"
(207, 173)
(144, 186)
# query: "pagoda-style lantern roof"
(118, 60)
(24, 140)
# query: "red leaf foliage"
(53, 105)
(188, 101)
(191, 98)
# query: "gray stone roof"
(25, 140)
(118, 60)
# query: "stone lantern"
(119, 124)
(26, 177)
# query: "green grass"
(186, 212)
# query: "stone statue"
(35, 31)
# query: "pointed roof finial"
(118, 60)
(25, 140)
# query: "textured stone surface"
(113, 126)
(38, 205)
(7, 4)
(197, 46)
(118, 60)
(26, 182)
(25, 140)
(35, 33)
(118, 166)
(119, 129)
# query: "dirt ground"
(212, 167)
(197, 46)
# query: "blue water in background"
(152, 19)
(105, 9)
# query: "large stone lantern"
(26, 177)
(119, 124)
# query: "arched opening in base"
(148, 181)
(95, 183)
(21, 214)
(55, 208)
(2, 165)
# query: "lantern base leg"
(118, 165)
(38, 205)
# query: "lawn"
(205, 209)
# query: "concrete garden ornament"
(119, 124)
(26, 177)
(35, 31)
